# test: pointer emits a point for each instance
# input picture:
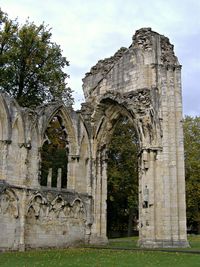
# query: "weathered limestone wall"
(143, 83)
(32, 215)
(54, 220)
(9, 220)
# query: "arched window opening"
(54, 154)
(122, 183)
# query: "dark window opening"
(54, 153)
(122, 173)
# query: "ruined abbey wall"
(143, 83)
(32, 215)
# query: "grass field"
(89, 257)
(131, 242)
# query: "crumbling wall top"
(106, 64)
(143, 39)
(148, 48)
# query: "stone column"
(182, 232)
(98, 232)
(103, 210)
(158, 196)
(22, 220)
(59, 178)
(147, 205)
(95, 195)
(3, 160)
(165, 155)
(49, 177)
(71, 171)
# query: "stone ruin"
(142, 82)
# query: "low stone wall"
(42, 218)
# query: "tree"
(31, 65)
(122, 172)
(192, 170)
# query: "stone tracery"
(9, 203)
(58, 208)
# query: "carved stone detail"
(47, 210)
(36, 205)
(140, 104)
(9, 203)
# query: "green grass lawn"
(102, 257)
(96, 258)
(194, 241)
(131, 242)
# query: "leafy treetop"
(192, 170)
(32, 66)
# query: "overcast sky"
(89, 30)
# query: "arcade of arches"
(53, 163)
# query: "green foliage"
(122, 174)
(31, 65)
(192, 170)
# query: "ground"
(93, 257)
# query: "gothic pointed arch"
(18, 127)
(5, 124)
(58, 109)
(9, 203)
(138, 106)
(58, 145)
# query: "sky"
(90, 30)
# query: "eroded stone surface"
(142, 82)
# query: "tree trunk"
(198, 228)
(21, 80)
